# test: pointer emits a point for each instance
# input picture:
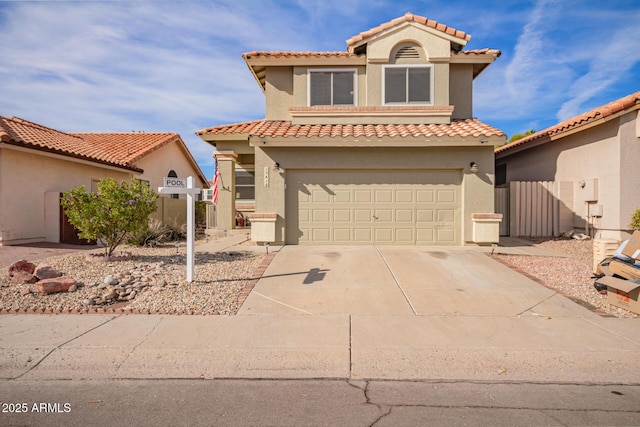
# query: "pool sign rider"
(185, 186)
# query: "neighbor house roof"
(578, 123)
(119, 149)
(408, 17)
(280, 128)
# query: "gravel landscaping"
(570, 276)
(153, 280)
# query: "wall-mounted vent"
(408, 52)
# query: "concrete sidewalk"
(478, 348)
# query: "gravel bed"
(219, 279)
(570, 276)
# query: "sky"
(176, 66)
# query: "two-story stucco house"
(374, 145)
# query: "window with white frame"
(332, 87)
(245, 185)
(408, 84)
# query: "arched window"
(408, 79)
(173, 174)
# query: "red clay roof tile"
(590, 116)
(283, 54)
(408, 17)
(279, 128)
(117, 149)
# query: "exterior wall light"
(276, 166)
(473, 167)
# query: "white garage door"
(373, 207)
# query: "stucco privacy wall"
(477, 189)
(23, 191)
(592, 153)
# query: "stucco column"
(226, 208)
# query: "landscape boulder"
(55, 284)
(21, 266)
(23, 277)
(45, 271)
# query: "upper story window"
(408, 84)
(332, 87)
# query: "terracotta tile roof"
(278, 128)
(408, 17)
(589, 117)
(116, 149)
(282, 54)
(485, 51)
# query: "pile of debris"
(619, 276)
(47, 279)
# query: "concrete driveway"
(400, 280)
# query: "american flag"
(216, 179)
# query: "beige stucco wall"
(461, 90)
(157, 165)
(278, 92)
(26, 178)
(601, 152)
(477, 189)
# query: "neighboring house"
(374, 145)
(594, 159)
(38, 163)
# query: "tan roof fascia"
(390, 142)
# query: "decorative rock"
(25, 291)
(21, 265)
(102, 286)
(45, 271)
(88, 301)
(23, 277)
(110, 295)
(56, 284)
(73, 288)
(110, 280)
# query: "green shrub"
(114, 212)
(635, 220)
(156, 233)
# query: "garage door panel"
(404, 196)
(447, 196)
(322, 235)
(321, 215)
(446, 215)
(362, 196)
(383, 215)
(446, 235)
(383, 235)
(342, 235)
(404, 236)
(320, 196)
(425, 196)
(383, 196)
(425, 215)
(379, 207)
(404, 216)
(342, 215)
(342, 196)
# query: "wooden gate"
(68, 233)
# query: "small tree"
(517, 136)
(109, 215)
(635, 220)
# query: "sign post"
(185, 186)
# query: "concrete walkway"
(350, 313)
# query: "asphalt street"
(314, 403)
